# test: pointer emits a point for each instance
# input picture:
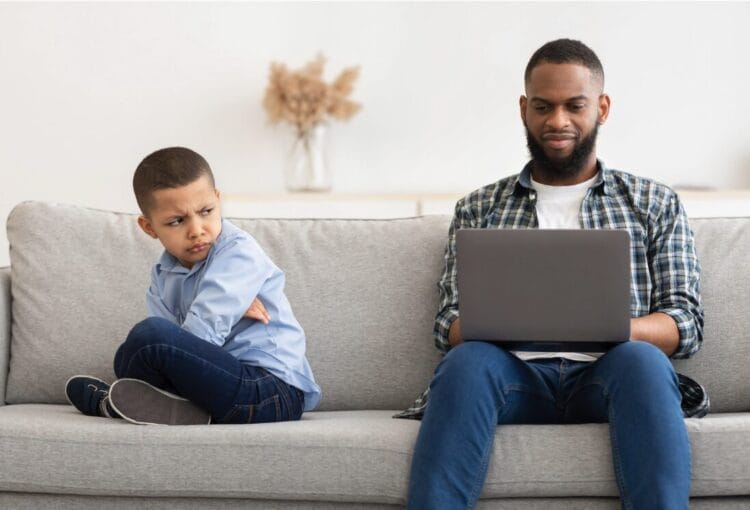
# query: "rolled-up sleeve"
(448, 286)
(675, 274)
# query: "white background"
(87, 90)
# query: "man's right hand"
(454, 333)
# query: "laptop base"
(536, 346)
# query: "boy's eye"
(175, 222)
(206, 212)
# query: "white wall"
(87, 90)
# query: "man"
(479, 385)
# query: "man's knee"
(473, 362)
(641, 363)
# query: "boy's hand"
(257, 311)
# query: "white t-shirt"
(559, 207)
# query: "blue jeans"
(478, 386)
(173, 359)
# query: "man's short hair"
(565, 51)
(167, 168)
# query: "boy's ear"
(145, 225)
(218, 194)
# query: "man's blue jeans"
(173, 359)
(478, 386)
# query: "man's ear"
(604, 104)
(522, 103)
(145, 225)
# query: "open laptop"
(544, 290)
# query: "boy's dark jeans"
(168, 357)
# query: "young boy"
(209, 351)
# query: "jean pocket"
(268, 410)
(238, 414)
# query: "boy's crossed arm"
(219, 303)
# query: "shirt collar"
(168, 263)
(522, 184)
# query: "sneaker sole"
(80, 375)
(143, 404)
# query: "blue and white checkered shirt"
(665, 269)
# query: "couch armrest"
(4, 329)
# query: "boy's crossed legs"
(170, 359)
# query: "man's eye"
(576, 107)
(541, 108)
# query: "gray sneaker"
(139, 402)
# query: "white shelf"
(716, 204)
(338, 205)
(698, 204)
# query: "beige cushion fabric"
(332, 456)
(4, 329)
(723, 245)
(364, 291)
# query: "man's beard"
(562, 169)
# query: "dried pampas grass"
(303, 99)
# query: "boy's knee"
(141, 335)
(146, 330)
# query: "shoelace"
(102, 404)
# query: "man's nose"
(558, 119)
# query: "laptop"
(544, 290)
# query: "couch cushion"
(364, 291)
(335, 456)
(78, 278)
(722, 245)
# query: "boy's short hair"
(167, 168)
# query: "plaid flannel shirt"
(664, 267)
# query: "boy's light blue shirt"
(210, 300)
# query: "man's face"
(562, 110)
(187, 220)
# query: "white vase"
(307, 166)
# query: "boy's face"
(186, 220)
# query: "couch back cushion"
(364, 291)
(723, 245)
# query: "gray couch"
(365, 292)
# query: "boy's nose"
(194, 230)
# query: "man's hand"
(454, 333)
(657, 328)
(257, 312)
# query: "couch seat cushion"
(352, 456)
